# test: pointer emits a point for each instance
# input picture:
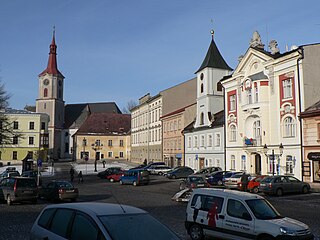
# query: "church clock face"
(46, 82)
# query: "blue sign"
(39, 163)
(196, 156)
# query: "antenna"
(124, 211)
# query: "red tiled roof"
(106, 124)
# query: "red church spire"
(52, 67)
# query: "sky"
(120, 50)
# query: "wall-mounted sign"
(314, 156)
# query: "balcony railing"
(252, 142)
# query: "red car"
(253, 184)
(115, 177)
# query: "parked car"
(115, 177)
(208, 170)
(227, 214)
(180, 172)
(58, 190)
(159, 169)
(152, 164)
(232, 181)
(93, 220)
(217, 178)
(253, 184)
(9, 172)
(109, 171)
(33, 174)
(141, 166)
(281, 184)
(135, 177)
(18, 189)
(193, 181)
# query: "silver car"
(93, 220)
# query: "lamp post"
(84, 155)
(272, 155)
(96, 146)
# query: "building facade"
(173, 140)
(31, 137)
(263, 99)
(204, 137)
(50, 101)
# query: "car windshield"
(64, 185)
(196, 179)
(262, 209)
(267, 180)
(137, 226)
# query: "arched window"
(289, 127)
(201, 118)
(219, 86)
(201, 87)
(233, 133)
(45, 92)
(233, 162)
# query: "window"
(201, 118)
(219, 86)
(45, 106)
(238, 210)
(195, 141)
(189, 142)
(233, 133)
(289, 127)
(287, 88)
(109, 154)
(318, 128)
(202, 140)
(201, 87)
(43, 125)
(233, 162)
(83, 228)
(15, 140)
(121, 154)
(45, 92)
(289, 164)
(243, 163)
(218, 140)
(31, 125)
(31, 140)
(15, 125)
(256, 94)
(256, 129)
(249, 95)
(14, 155)
(60, 222)
(207, 202)
(98, 142)
(110, 143)
(121, 143)
(209, 140)
(232, 100)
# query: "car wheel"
(174, 176)
(111, 180)
(196, 232)
(255, 190)
(121, 182)
(266, 238)
(160, 173)
(219, 183)
(305, 190)
(279, 192)
(134, 183)
(9, 200)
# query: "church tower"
(209, 88)
(50, 100)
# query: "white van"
(228, 214)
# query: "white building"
(204, 138)
(263, 99)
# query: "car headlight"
(286, 231)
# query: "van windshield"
(262, 209)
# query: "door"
(257, 164)
(201, 163)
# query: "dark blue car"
(217, 178)
(135, 177)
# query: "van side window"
(237, 209)
(207, 202)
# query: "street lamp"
(96, 146)
(84, 155)
(272, 155)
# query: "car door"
(238, 222)
(295, 184)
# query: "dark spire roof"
(52, 67)
(214, 59)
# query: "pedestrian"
(71, 174)
(80, 177)
(244, 181)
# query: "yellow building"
(31, 140)
(104, 136)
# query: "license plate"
(70, 191)
(28, 191)
(200, 185)
(262, 184)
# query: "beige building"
(173, 140)
(31, 140)
(103, 136)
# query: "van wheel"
(255, 190)
(9, 200)
(279, 192)
(305, 190)
(134, 183)
(196, 232)
(111, 180)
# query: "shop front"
(314, 157)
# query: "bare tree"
(131, 104)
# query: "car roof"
(99, 209)
(227, 193)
